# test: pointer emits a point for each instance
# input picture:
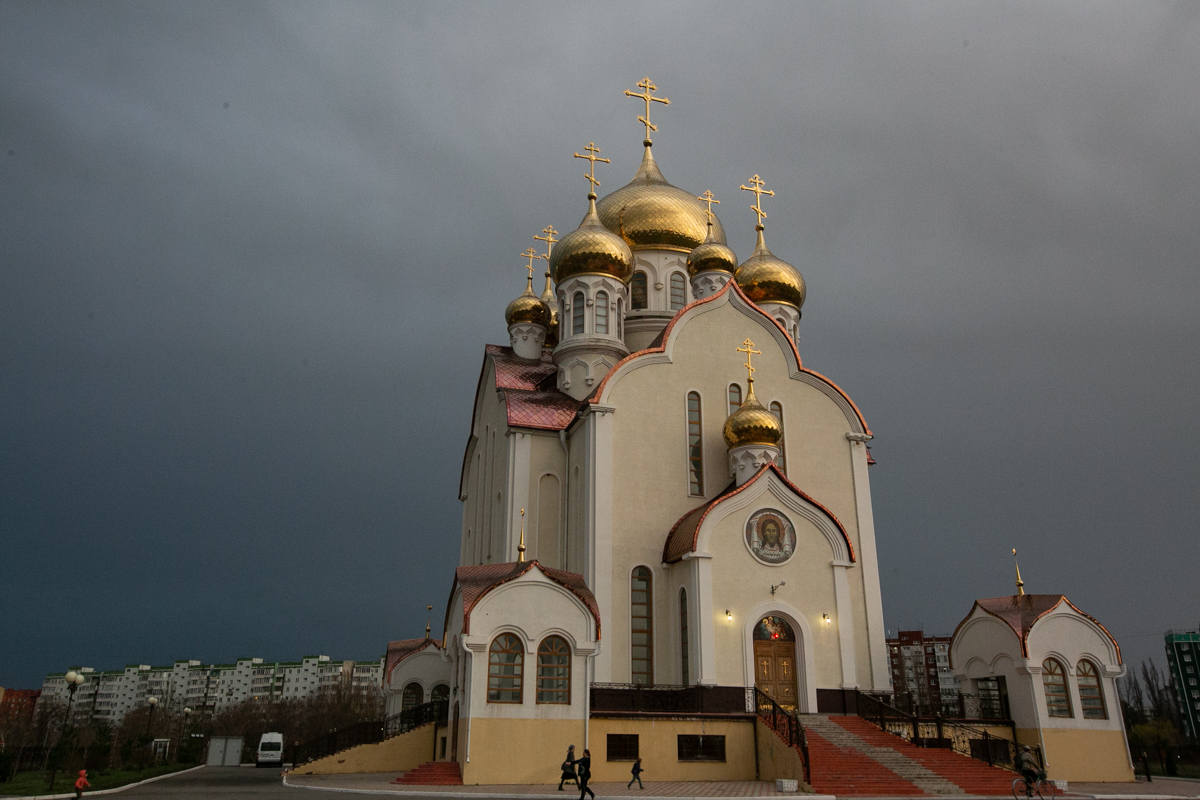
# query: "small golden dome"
(551, 303)
(711, 256)
(591, 249)
(648, 212)
(766, 278)
(752, 424)
(527, 309)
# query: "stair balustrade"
(370, 732)
(785, 723)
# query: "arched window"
(777, 410)
(1091, 694)
(620, 318)
(577, 313)
(695, 447)
(1054, 681)
(412, 697)
(440, 694)
(637, 291)
(554, 671)
(735, 397)
(506, 663)
(641, 626)
(678, 291)
(795, 333)
(684, 660)
(602, 312)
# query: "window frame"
(732, 404)
(677, 281)
(601, 304)
(404, 695)
(1096, 712)
(520, 673)
(1048, 673)
(776, 408)
(643, 573)
(564, 693)
(695, 445)
(578, 323)
(617, 747)
(645, 290)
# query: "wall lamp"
(776, 586)
(825, 618)
(728, 615)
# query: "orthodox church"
(655, 491)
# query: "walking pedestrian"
(584, 770)
(568, 769)
(81, 783)
(637, 775)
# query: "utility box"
(224, 751)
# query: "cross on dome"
(593, 155)
(647, 95)
(756, 186)
(748, 348)
(708, 198)
(548, 239)
(530, 254)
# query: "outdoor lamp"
(152, 700)
(79, 679)
(71, 676)
(728, 616)
(825, 618)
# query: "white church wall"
(484, 484)
(427, 669)
(545, 500)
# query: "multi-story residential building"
(206, 688)
(1183, 659)
(17, 705)
(920, 667)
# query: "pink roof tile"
(1021, 611)
(401, 649)
(478, 580)
(531, 397)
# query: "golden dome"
(591, 249)
(648, 212)
(752, 424)
(766, 278)
(711, 256)
(551, 303)
(527, 309)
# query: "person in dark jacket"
(568, 769)
(584, 768)
(637, 775)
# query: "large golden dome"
(591, 249)
(752, 424)
(766, 278)
(648, 212)
(551, 303)
(527, 309)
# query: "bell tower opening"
(775, 661)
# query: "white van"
(270, 750)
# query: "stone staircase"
(432, 773)
(852, 757)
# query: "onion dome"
(591, 249)
(528, 309)
(551, 303)
(650, 213)
(766, 278)
(711, 256)
(752, 424)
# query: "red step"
(433, 773)
(969, 774)
(845, 771)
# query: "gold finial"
(1020, 583)
(648, 96)
(756, 184)
(707, 197)
(530, 254)
(428, 613)
(593, 155)
(548, 239)
(521, 545)
(748, 348)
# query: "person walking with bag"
(568, 769)
(584, 769)
(637, 775)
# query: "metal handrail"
(785, 723)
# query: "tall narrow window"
(554, 671)
(1091, 695)
(506, 664)
(602, 312)
(637, 291)
(678, 291)
(412, 697)
(777, 410)
(641, 626)
(695, 447)
(577, 313)
(683, 637)
(620, 318)
(1054, 681)
(735, 397)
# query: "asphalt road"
(225, 783)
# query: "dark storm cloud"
(250, 255)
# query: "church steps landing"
(838, 769)
(968, 774)
(433, 773)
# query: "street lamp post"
(74, 681)
(152, 701)
(185, 724)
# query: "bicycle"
(1044, 789)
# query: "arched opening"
(602, 312)
(577, 314)
(695, 446)
(440, 694)
(412, 696)
(1091, 693)
(678, 291)
(775, 661)
(620, 318)
(554, 671)
(1054, 681)
(735, 397)
(777, 410)
(506, 669)
(637, 291)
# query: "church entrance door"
(775, 661)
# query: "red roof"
(530, 390)
(403, 648)
(1021, 611)
(478, 580)
(685, 533)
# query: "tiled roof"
(478, 580)
(1022, 611)
(531, 396)
(685, 533)
(401, 649)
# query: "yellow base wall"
(1082, 755)
(532, 750)
(397, 754)
(777, 760)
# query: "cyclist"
(1028, 766)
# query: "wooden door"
(775, 671)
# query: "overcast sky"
(250, 255)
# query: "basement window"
(622, 747)
(701, 748)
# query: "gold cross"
(593, 155)
(708, 198)
(756, 184)
(548, 239)
(531, 254)
(748, 348)
(648, 96)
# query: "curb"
(100, 791)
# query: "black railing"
(785, 723)
(937, 731)
(417, 716)
(628, 698)
(953, 705)
(370, 732)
